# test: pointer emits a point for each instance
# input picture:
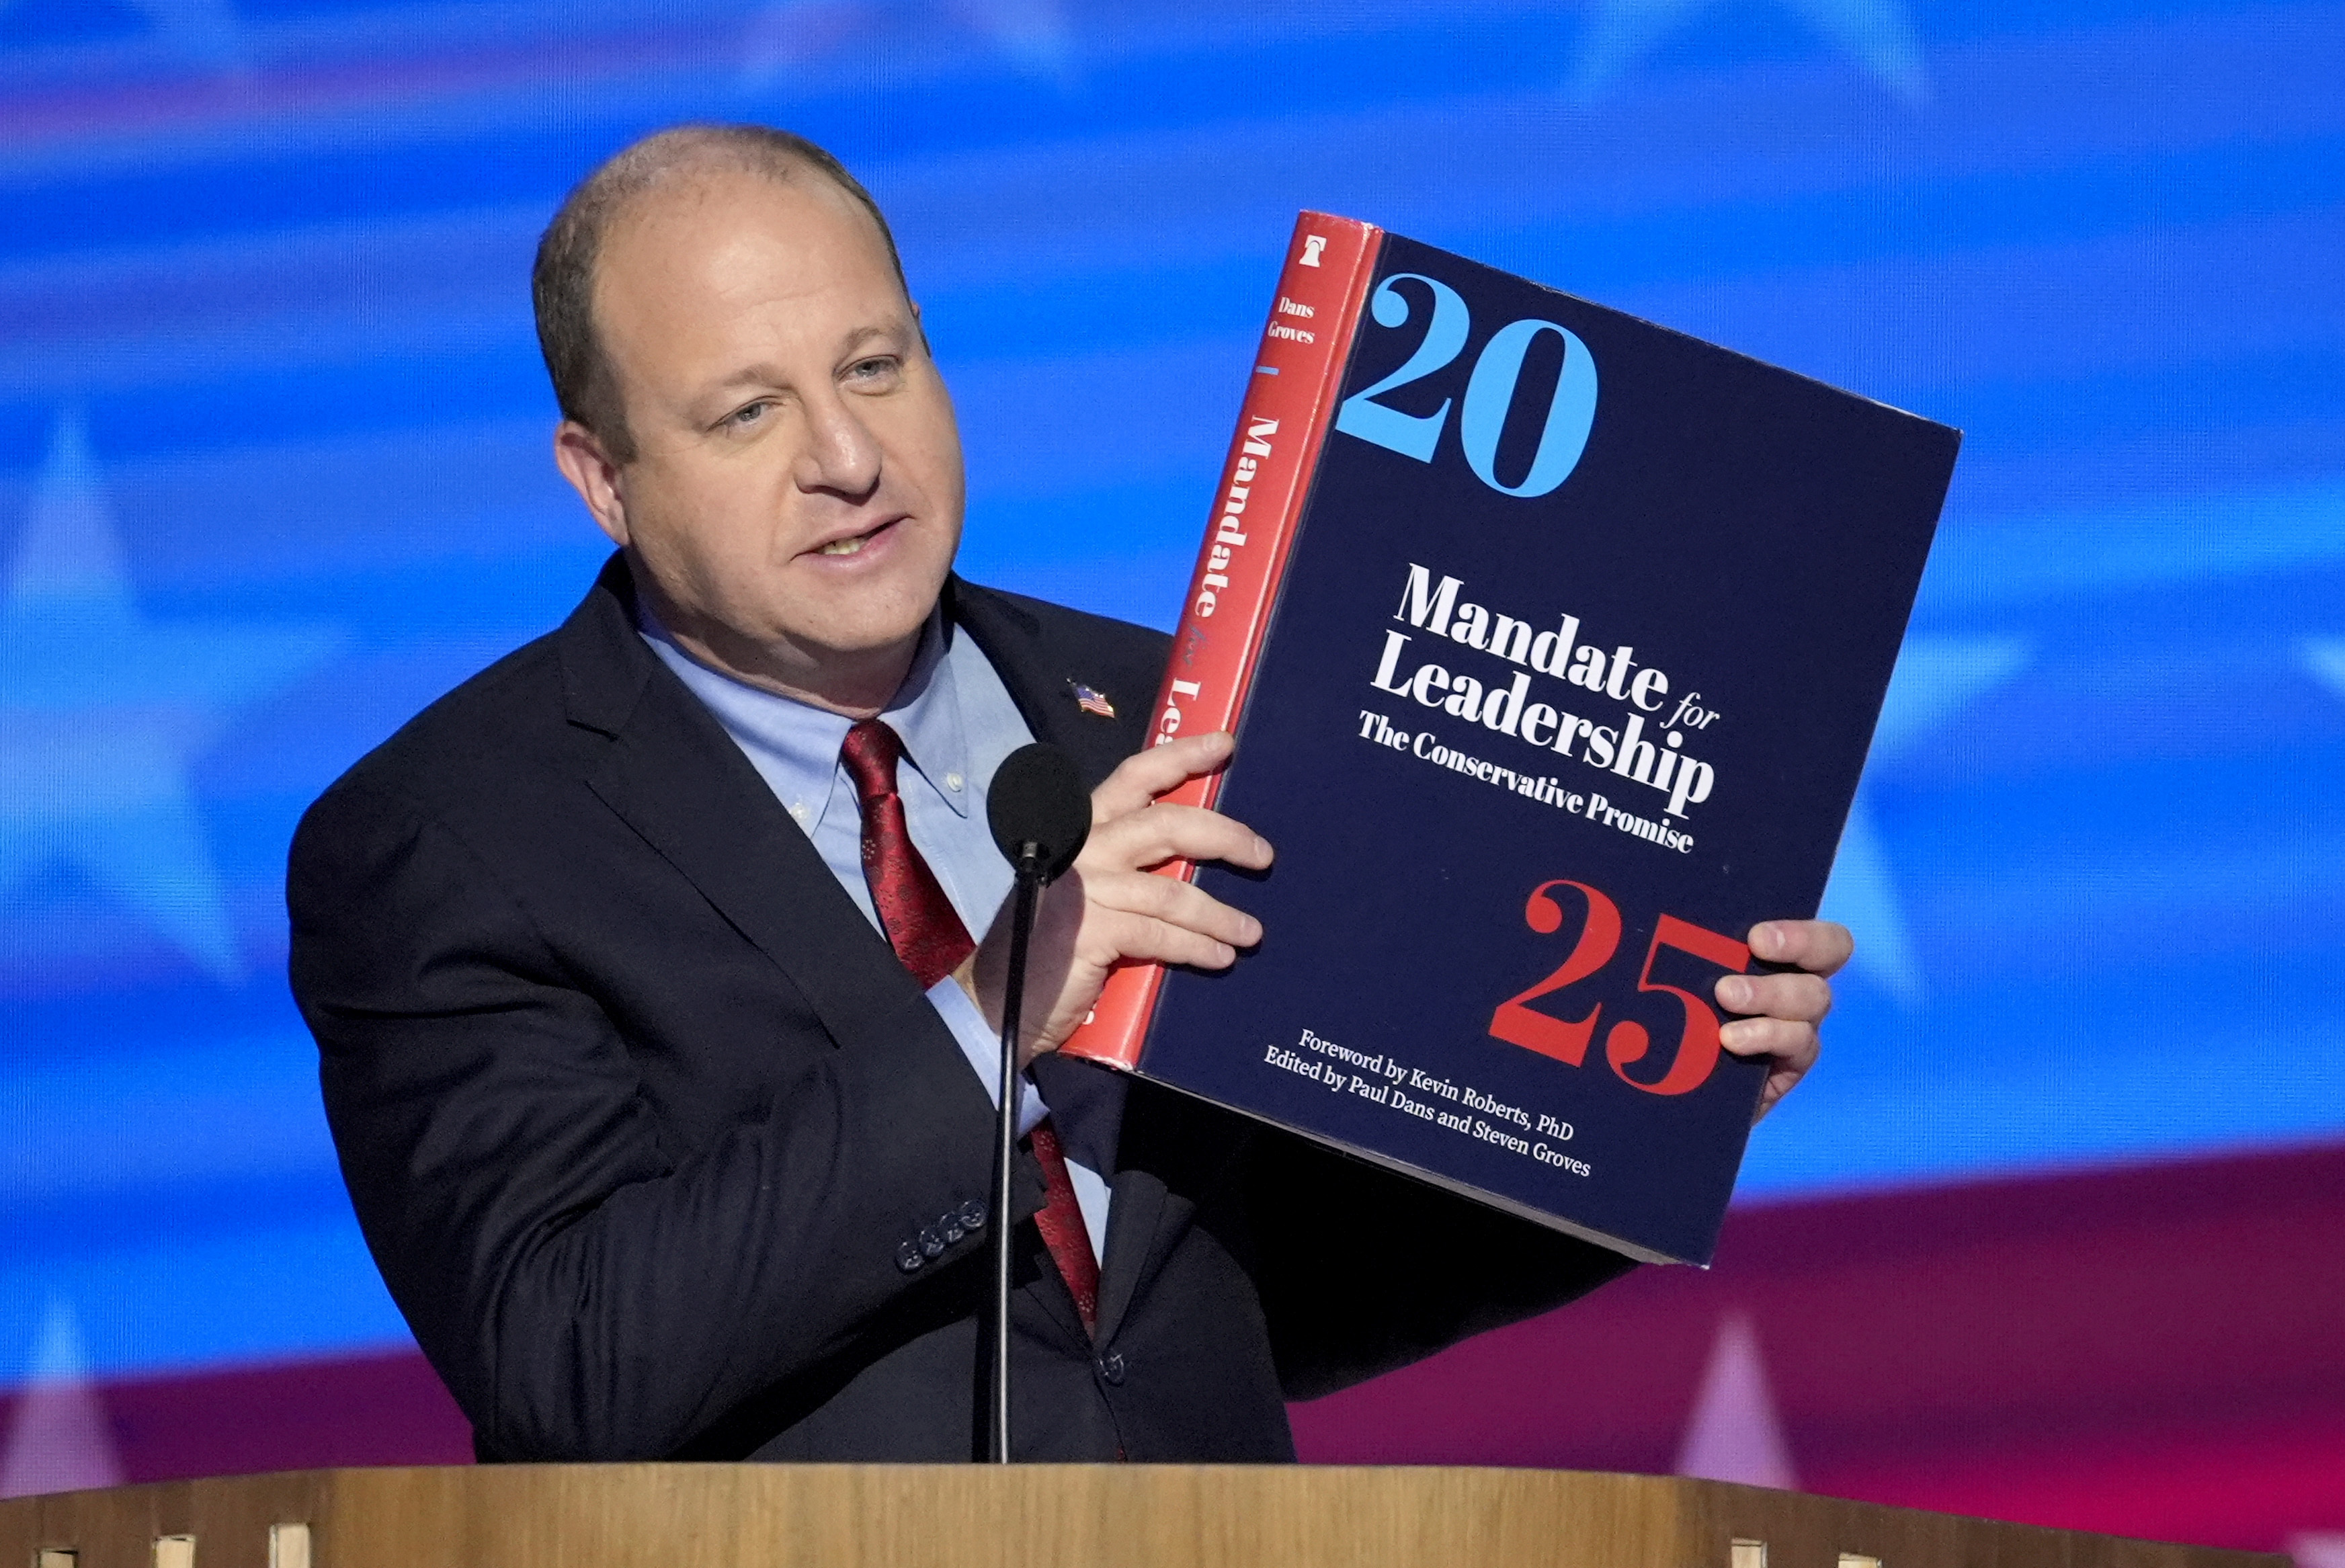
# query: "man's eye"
(749, 415)
(878, 369)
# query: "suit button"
(951, 1227)
(931, 1244)
(1110, 1367)
(908, 1259)
(972, 1214)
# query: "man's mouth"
(853, 545)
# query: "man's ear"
(580, 454)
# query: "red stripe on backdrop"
(2153, 1351)
(387, 1409)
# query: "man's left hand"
(1784, 1011)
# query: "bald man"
(656, 971)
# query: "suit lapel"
(1135, 1217)
(1041, 671)
(673, 776)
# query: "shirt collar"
(796, 745)
(927, 712)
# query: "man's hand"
(1788, 1008)
(1108, 910)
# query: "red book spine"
(1290, 403)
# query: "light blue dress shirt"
(957, 722)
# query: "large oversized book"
(1553, 641)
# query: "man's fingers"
(1791, 1047)
(1162, 832)
(1779, 1083)
(1819, 946)
(1148, 773)
(1139, 939)
(1793, 1044)
(1805, 998)
(1108, 910)
(1164, 901)
(1788, 1008)
(1132, 830)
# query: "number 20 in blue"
(1489, 391)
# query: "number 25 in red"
(1627, 1042)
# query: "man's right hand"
(1108, 910)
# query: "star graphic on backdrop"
(1936, 678)
(204, 31)
(2325, 657)
(59, 1439)
(102, 710)
(1879, 35)
(788, 36)
(1734, 1433)
(1032, 35)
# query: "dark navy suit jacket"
(637, 1110)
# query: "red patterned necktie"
(1061, 1224)
(930, 939)
(913, 909)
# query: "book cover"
(1553, 641)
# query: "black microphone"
(1038, 809)
(1041, 814)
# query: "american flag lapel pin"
(1093, 701)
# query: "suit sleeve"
(1362, 1270)
(586, 1293)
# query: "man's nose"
(841, 455)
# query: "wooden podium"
(1016, 1518)
(1019, 1516)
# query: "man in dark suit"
(644, 965)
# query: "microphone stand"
(1031, 870)
(1039, 815)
